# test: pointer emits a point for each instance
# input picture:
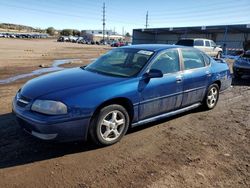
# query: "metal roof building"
(228, 36)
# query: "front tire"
(219, 55)
(211, 97)
(109, 125)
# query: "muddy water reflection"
(53, 68)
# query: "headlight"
(49, 107)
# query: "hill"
(17, 27)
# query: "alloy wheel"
(112, 125)
(212, 97)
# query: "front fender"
(83, 103)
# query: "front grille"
(22, 101)
(243, 70)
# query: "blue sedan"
(124, 88)
(241, 66)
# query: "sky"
(123, 15)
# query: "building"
(97, 35)
(228, 36)
(98, 32)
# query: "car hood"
(242, 62)
(63, 80)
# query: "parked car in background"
(241, 65)
(23, 35)
(73, 39)
(60, 39)
(127, 87)
(117, 44)
(63, 39)
(205, 45)
(81, 41)
(128, 44)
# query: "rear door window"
(206, 59)
(192, 59)
(198, 43)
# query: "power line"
(57, 13)
(203, 18)
(183, 8)
(211, 12)
(46, 11)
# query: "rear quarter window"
(206, 59)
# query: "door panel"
(195, 77)
(160, 95)
(194, 85)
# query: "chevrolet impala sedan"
(124, 88)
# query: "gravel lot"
(194, 149)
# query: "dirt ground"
(194, 149)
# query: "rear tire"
(109, 125)
(212, 97)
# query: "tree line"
(65, 32)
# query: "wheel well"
(218, 82)
(126, 103)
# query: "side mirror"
(153, 73)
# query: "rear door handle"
(208, 73)
(178, 79)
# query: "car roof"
(153, 47)
(194, 39)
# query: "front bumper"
(49, 127)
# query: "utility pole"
(123, 31)
(103, 21)
(146, 20)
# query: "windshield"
(123, 62)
